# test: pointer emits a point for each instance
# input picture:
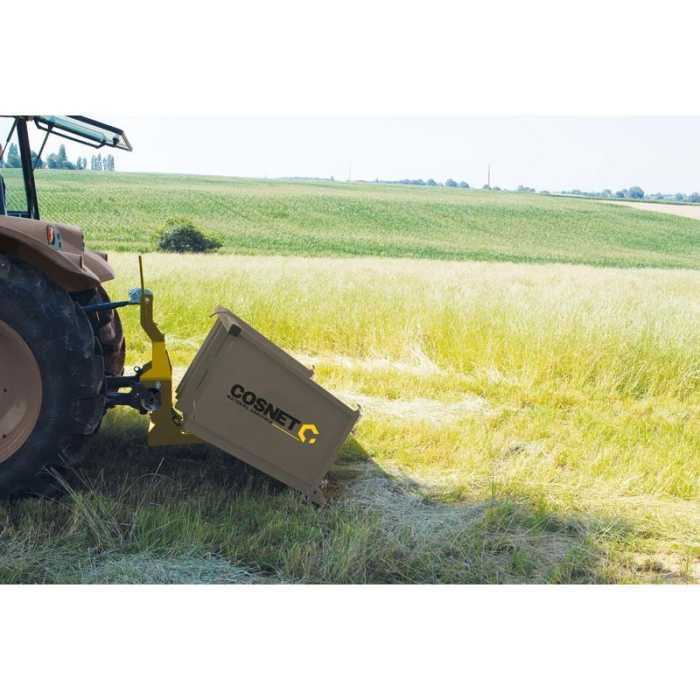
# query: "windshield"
(84, 130)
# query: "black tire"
(70, 362)
(107, 327)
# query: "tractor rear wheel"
(51, 379)
(107, 327)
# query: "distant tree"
(486, 187)
(695, 197)
(496, 189)
(62, 158)
(463, 184)
(606, 193)
(635, 192)
(680, 197)
(13, 160)
(450, 182)
(59, 161)
(621, 194)
(36, 161)
(430, 182)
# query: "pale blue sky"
(657, 153)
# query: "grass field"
(521, 423)
(122, 211)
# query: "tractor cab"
(18, 194)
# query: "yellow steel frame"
(165, 426)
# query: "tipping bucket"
(251, 399)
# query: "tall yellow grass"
(591, 376)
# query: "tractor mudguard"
(57, 250)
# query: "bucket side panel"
(255, 407)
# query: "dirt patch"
(673, 568)
(686, 210)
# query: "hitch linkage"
(144, 399)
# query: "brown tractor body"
(57, 250)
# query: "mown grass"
(122, 211)
(521, 424)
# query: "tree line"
(425, 183)
(57, 161)
(637, 193)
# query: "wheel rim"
(20, 391)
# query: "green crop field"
(122, 211)
(521, 422)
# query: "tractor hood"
(58, 250)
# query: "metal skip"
(251, 399)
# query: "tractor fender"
(64, 260)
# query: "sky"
(656, 153)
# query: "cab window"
(13, 196)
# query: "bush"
(182, 236)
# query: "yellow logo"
(308, 428)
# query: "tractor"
(62, 352)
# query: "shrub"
(182, 236)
